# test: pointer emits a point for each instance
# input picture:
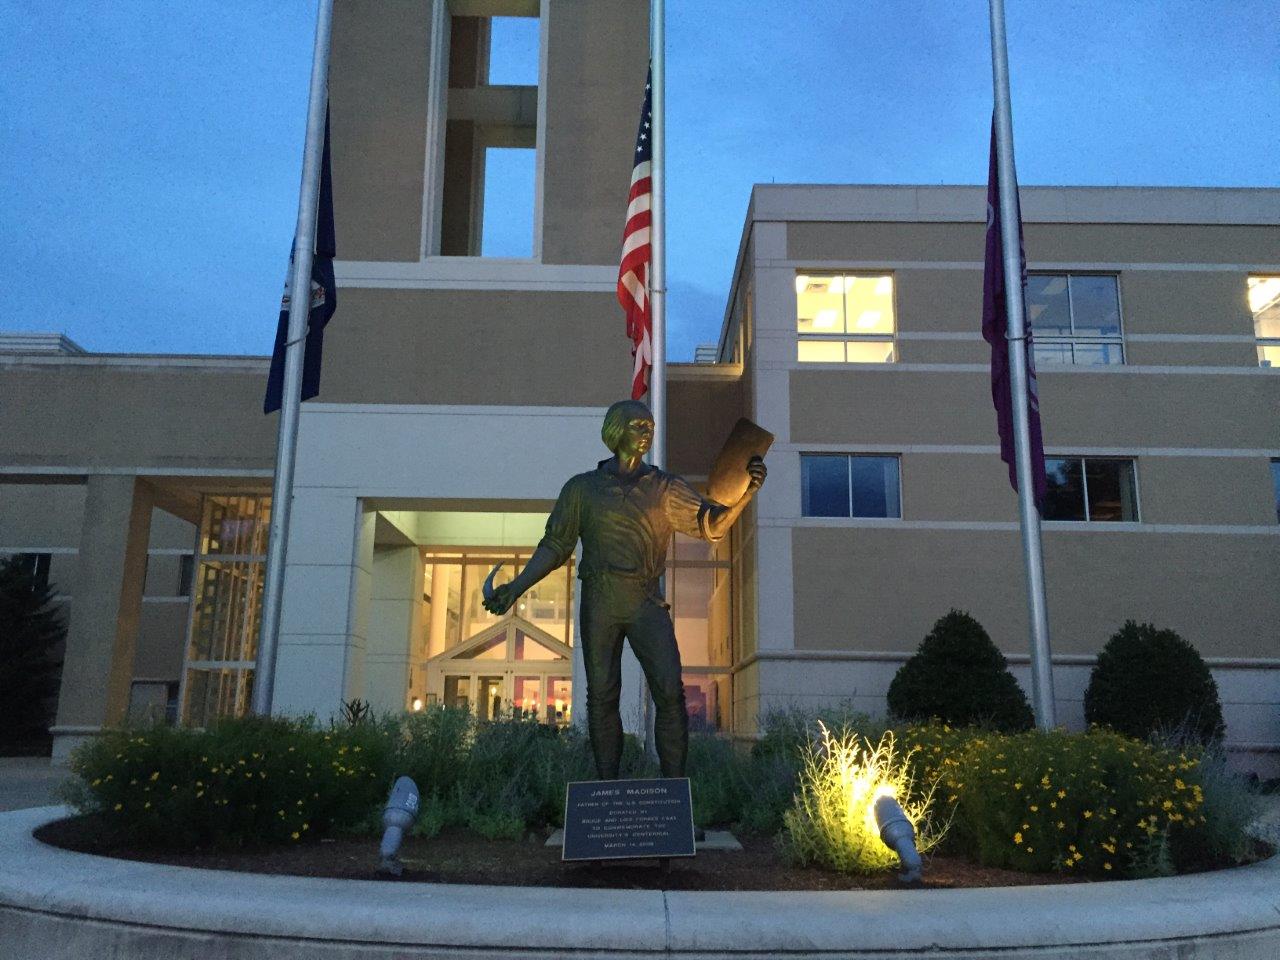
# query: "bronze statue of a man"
(625, 511)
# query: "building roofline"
(967, 203)
(148, 361)
(878, 203)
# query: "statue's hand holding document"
(730, 478)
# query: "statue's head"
(619, 417)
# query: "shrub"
(1147, 679)
(1231, 801)
(720, 779)
(433, 749)
(832, 822)
(1096, 803)
(242, 781)
(959, 677)
(30, 629)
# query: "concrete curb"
(56, 904)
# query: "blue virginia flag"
(324, 298)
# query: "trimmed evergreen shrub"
(30, 629)
(959, 677)
(1148, 680)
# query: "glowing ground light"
(833, 820)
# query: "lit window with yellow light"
(845, 318)
(1264, 304)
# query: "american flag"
(633, 272)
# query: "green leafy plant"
(958, 676)
(1147, 679)
(720, 779)
(356, 711)
(832, 822)
(30, 630)
(1232, 802)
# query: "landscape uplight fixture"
(397, 817)
(898, 835)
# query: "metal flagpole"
(1029, 515)
(657, 278)
(658, 233)
(304, 239)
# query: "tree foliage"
(30, 631)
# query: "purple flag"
(995, 325)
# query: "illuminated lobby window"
(1264, 304)
(699, 589)
(849, 485)
(1075, 318)
(845, 318)
(226, 611)
(517, 665)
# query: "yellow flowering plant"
(249, 780)
(1095, 803)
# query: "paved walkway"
(28, 782)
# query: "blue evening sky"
(150, 150)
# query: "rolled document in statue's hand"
(729, 478)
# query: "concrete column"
(324, 618)
(395, 624)
(103, 632)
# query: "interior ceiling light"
(868, 319)
(1263, 291)
(884, 286)
(826, 319)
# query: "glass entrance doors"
(512, 669)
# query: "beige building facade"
(461, 388)
(856, 313)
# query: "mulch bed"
(457, 856)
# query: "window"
(226, 612)
(844, 485)
(698, 585)
(845, 318)
(1085, 488)
(1075, 318)
(186, 574)
(484, 200)
(1264, 304)
(1275, 484)
(36, 566)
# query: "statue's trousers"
(612, 608)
